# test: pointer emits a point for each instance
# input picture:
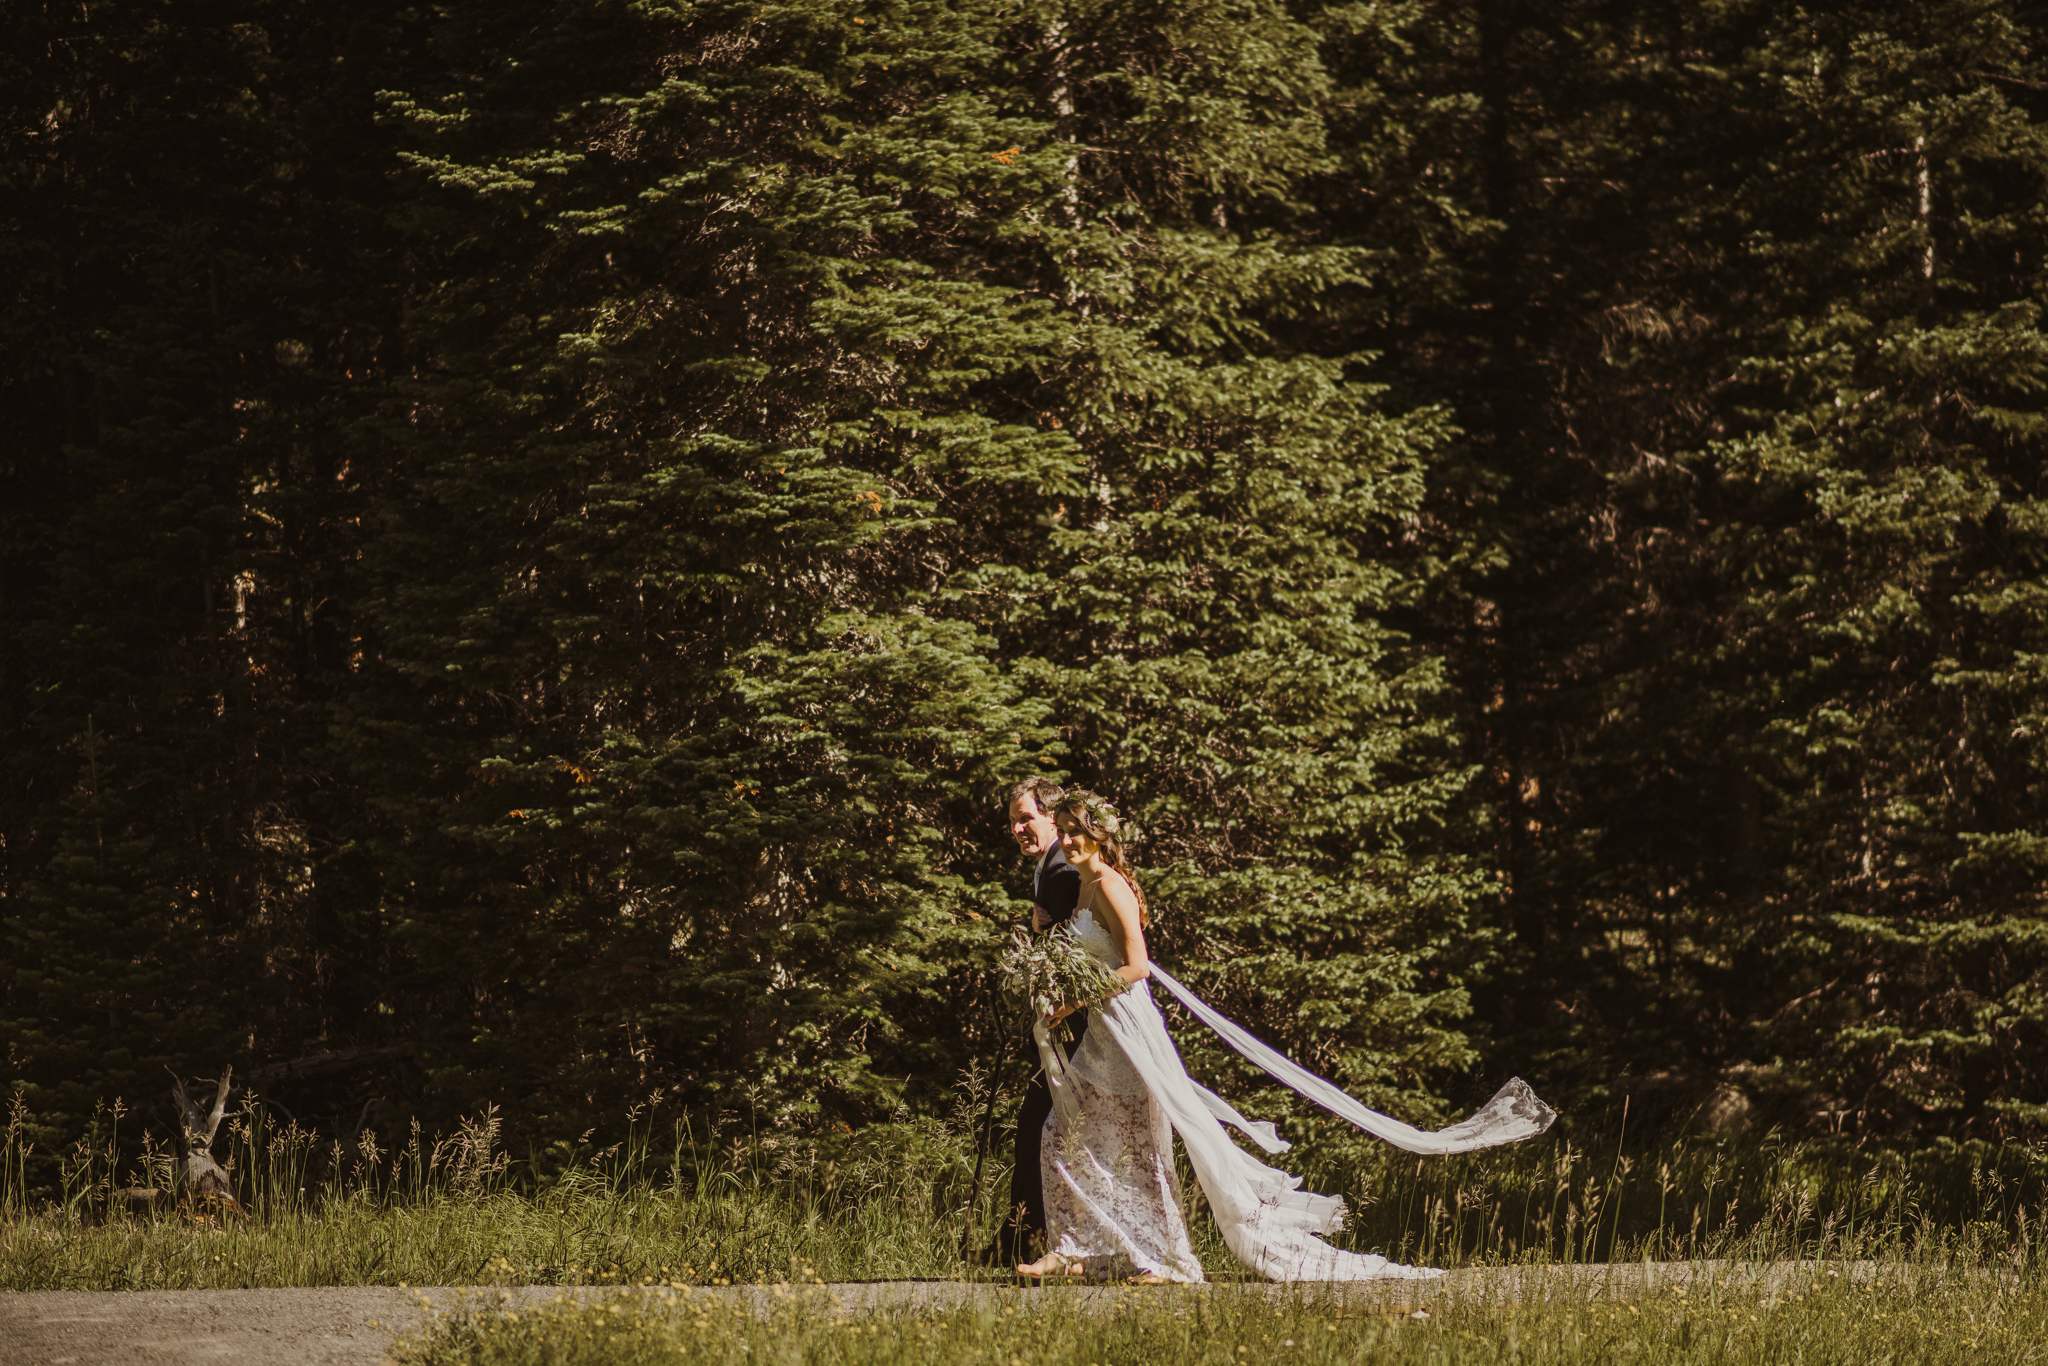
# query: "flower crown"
(1100, 813)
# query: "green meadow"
(1928, 1258)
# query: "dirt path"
(354, 1325)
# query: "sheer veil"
(1269, 1223)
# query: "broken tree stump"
(201, 1178)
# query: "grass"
(1914, 1314)
(453, 1212)
(1953, 1232)
(893, 1202)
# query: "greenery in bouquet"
(1052, 970)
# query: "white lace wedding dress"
(1111, 1199)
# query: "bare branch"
(220, 1104)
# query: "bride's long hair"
(1100, 821)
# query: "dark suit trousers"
(1022, 1235)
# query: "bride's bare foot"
(1147, 1278)
(1051, 1264)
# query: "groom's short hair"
(1044, 792)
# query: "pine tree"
(679, 732)
(1886, 617)
(831, 401)
(1212, 621)
(188, 219)
(1747, 460)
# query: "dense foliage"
(534, 536)
(1748, 358)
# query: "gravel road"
(354, 1325)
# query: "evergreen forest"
(536, 536)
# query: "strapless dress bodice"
(1091, 935)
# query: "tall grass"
(1567, 1198)
(459, 1209)
(679, 1200)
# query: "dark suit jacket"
(1058, 889)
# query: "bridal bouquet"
(1054, 970)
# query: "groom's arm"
(1058, 892)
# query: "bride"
(1112, 1201)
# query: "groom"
(1055, 887)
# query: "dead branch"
(203, 1178)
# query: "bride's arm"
(1127, 929)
